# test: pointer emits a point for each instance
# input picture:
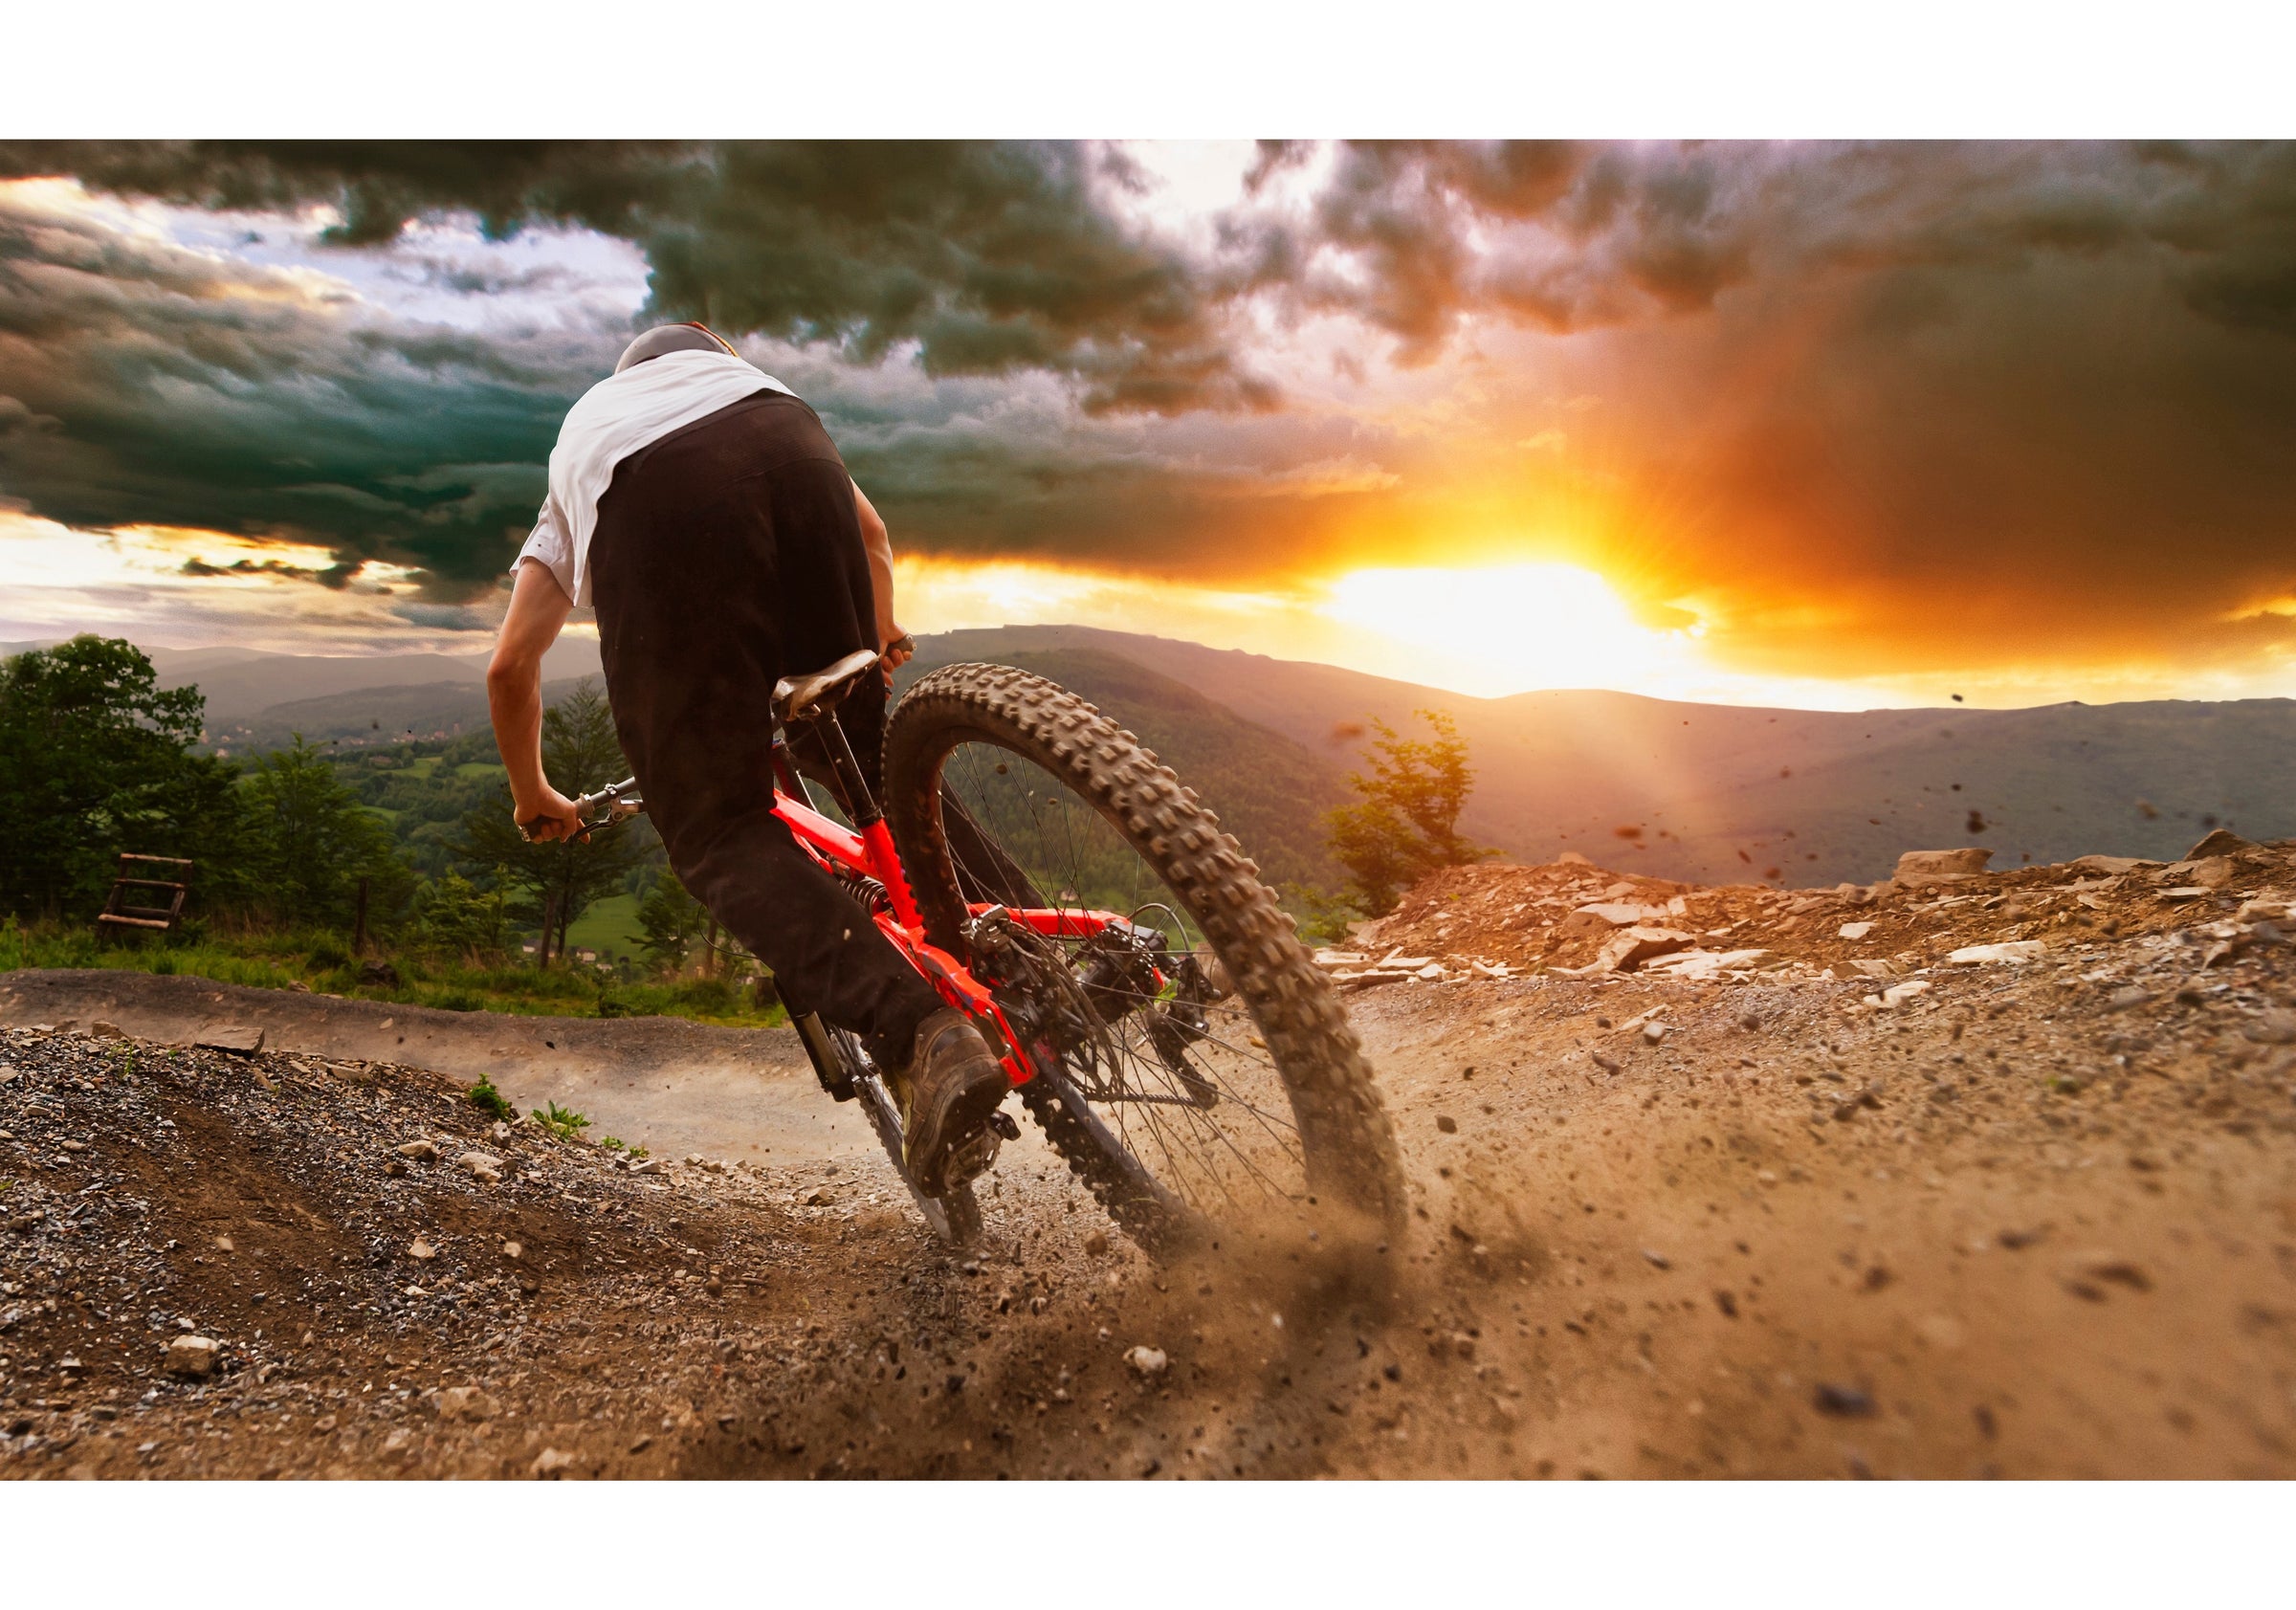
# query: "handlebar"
(620, 800)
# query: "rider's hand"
(898, 651)
(550, 818)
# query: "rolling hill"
(1267, 789)
(1701, 792)
(1717, 792)
(367, 716)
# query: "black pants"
(728, 555)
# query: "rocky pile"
(253, 1264)
(1940, 909)
(1965, 1173)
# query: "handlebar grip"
(611, 794)
(526, 828)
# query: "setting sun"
(1509, 626)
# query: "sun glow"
(1507, 627)
(1490, 630)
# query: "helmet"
(672, 338)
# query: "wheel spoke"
(1247, 1144)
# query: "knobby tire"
(1347, 1142)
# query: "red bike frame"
(869, 852)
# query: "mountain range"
(1710, 793)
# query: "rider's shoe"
(952, 1086)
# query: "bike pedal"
(1003, 1123)
(972, 1160)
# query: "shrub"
(327, 955)
(705, 995)
(1406, 823)
(561, 1121)
(453, 915)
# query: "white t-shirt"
(613, 420)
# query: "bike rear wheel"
(1194, 1067)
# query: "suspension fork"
(868, 819)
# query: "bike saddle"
(796, 698)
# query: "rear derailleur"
(1068, 1004)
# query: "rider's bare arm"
(880, 547)
(513, 699)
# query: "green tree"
(556, 882)
(456, 915)
(94, 760)
(673, 924)
(314, 841)
(1406, 824)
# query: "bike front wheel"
(1193, 1066)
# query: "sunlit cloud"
(1490, 631)
(1808, 422)
(168, 587)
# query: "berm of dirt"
(1961, 1174)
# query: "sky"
(1808, 424)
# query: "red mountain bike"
(1157, 1014)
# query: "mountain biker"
(702, 509)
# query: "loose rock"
(467, 1403)
(1919, 869)
(195, 1357)
(2272, 1028)
(236, 1039)
(2006, 950)
(1846, 1401)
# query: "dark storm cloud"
(1400, 211)
(1399, 234)
(1889, 403)
(1573, 236)
(987, 258)
(1992, 401)
(169, 386)
(143, 383)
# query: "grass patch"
(610, 926)
(561, 1121)
(321, 961)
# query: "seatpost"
(876, 839)
(858, 800)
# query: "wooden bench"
(127, 910)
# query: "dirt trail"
(663, 1083)
(2038, 1220)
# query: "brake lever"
(619, 807)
